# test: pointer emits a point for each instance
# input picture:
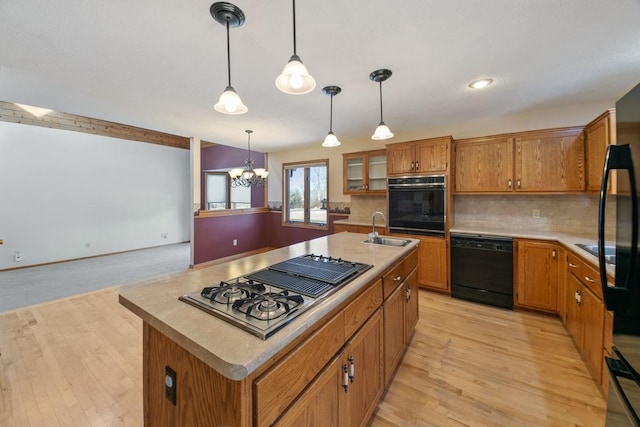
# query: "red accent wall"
(213, 236)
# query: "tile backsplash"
(364, 206)
(574, 214)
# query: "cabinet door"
(377, 172)
(411, 314)
(394, 338)
(550, 161)
(432, 263)
(363, 355)
(574, 322)
(599, 134)
(592, 314)
(431, 156)
(401, 159)
(354, 169)
(562, 285)
(484, 165)
(537, 275)
(320, 404)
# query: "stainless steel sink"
(388, 241)
(609, 252)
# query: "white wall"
(575, 115)
(61, 191)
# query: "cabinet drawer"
(392, 279)
(359, 310)
(410, 262)
(591, 278)
(586, 273)
(277, 388)
(574, 265)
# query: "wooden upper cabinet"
(546, 161)
(599, 134)
(484, 164)
(418, 157)
(365, 172)
(550, 161)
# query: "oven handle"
(416, 186)
(620, 368)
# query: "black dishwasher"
(482, 269)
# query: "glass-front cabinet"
(365, 172)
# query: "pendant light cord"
(381, 121)
(331, 116)
(294, 28)
(228, 54)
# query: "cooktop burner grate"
(302, 285)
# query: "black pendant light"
(295, 79)
(382, 131)
(228, 15)
(331, 140)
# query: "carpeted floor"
(34, 285)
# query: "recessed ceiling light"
(479, 84)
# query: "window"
(305, 192)
(220, 195)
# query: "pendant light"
(248, 177)
(295, 79)
(228, 15)
(382, 131)
(331, 140)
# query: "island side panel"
(203, 396)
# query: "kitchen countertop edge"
(233, 352)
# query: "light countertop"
(568, 240)
(226, 348)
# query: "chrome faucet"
(374, 234)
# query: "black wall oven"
(417, 204)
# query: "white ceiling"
(161, 64)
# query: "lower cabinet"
(335, 376)
(347, 391)
(432, 263)
(400, 319)
(586, 315)
(536, 274)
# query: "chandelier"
(248, 177)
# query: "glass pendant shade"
(382, 132)
(295, 79)
(230, 102)
(330, 140)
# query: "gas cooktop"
(266, 300)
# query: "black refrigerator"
(623, 296)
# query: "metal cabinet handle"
(572, 265)
(417, 165)
(397, 278)
(553, 254)
(407, 293)
(412, 166)
(578, 297)
(589, 279)
(510, 184)
(352, 369)
(345, 378)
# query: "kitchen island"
(218, 374)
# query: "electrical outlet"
(235, 242)
(536, 213)
(17, 256)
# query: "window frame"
(306, 223)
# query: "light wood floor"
(77, 362)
